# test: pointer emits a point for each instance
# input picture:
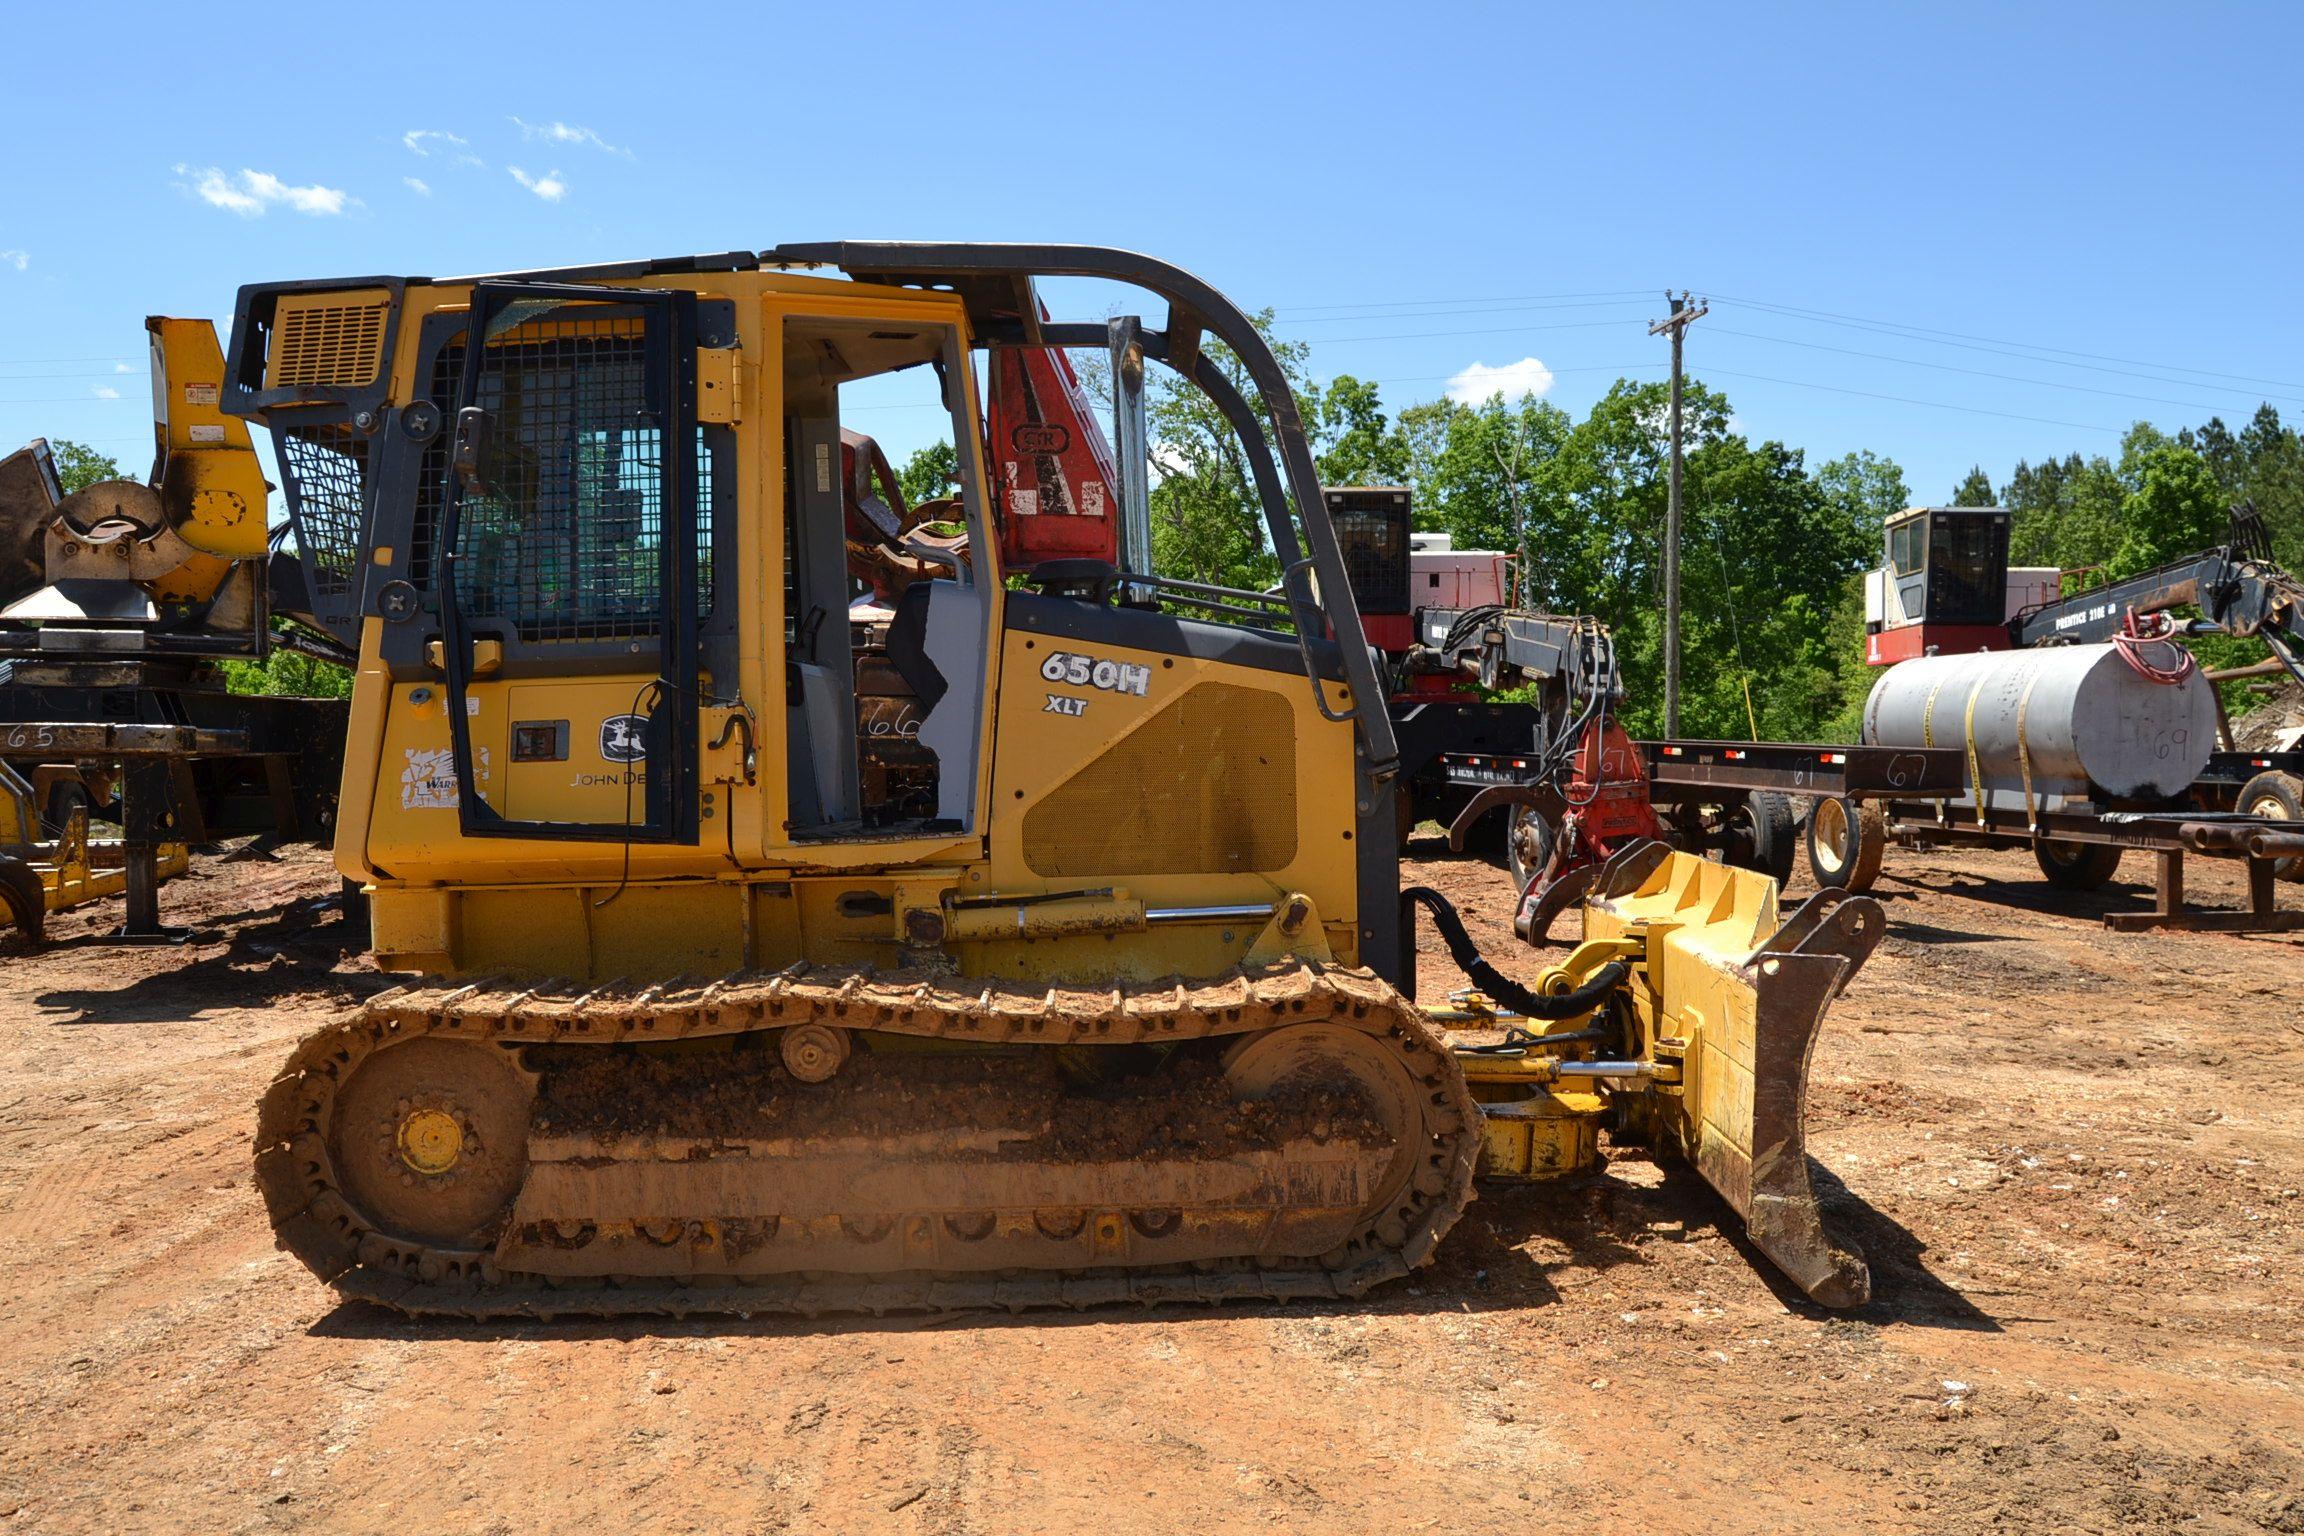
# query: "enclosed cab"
(1947, 586)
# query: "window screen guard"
(570, 511)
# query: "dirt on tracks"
(2073, 1157)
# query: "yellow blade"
(1734, 999)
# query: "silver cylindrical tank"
(2089, 723)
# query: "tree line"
(1773, 548)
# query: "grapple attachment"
(1726, 1007)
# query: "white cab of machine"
(1441, 576)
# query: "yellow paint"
(211, 480)
(430, 1141)
(750, 892)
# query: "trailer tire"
(1528, 840)
(25, 899)
(64, 797)
(2279, 795)
(2077, 866)
(1761, 835)
(1846, 841)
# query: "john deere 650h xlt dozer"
(814, 908)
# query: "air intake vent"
(327, 342)
(1206, 786)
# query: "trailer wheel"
(1760, 835)
(65, 796)
(1528, 839)
(2280, 796)
(2077, 866)
(1846, 840)
(25, 899)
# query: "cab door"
(887, 602)
(569, 544)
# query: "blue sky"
(2034, 215)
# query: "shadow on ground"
(294, 949)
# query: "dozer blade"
(1733, 999)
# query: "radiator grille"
(1207, 785)
(332, 345)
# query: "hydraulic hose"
(1515, 997)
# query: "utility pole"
(1676, 326)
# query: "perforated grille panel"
(334, 345)
(1372, 531)
(1207, 785)
(327, 468)
(567, 544)
(574, 464)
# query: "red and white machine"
(1947, 586)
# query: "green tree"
(1866, 488)
(1975, 491)
(931, 473)
(289, 672)
(2262, 464)
(1358, 446)
(2174, 508)
(78, 465)
(2064, 512)
(1482, 485)
(1207, 523)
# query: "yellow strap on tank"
(1928, 739)
(1975, 767)
(2024, 754)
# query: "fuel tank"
(2088, 722)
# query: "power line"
(1937, 405)
(1525, 298)
(1509, 330)
(1487, 309)
(1980, 373)
(1429, 378)
(1989, 344)
(2094, 362)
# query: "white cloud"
(557, 132)
(106, 392)
(416, 184)
(548, 186)
(251, 192)
(17, 259)
(1475, 384)
(120, 368)
(427, 142)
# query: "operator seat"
(908, 645)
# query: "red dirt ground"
(2073, 1157)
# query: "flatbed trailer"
(1736, 799)
(201, 765)
(1733, 798)
(2080, 848)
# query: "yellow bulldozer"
(808, 913)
